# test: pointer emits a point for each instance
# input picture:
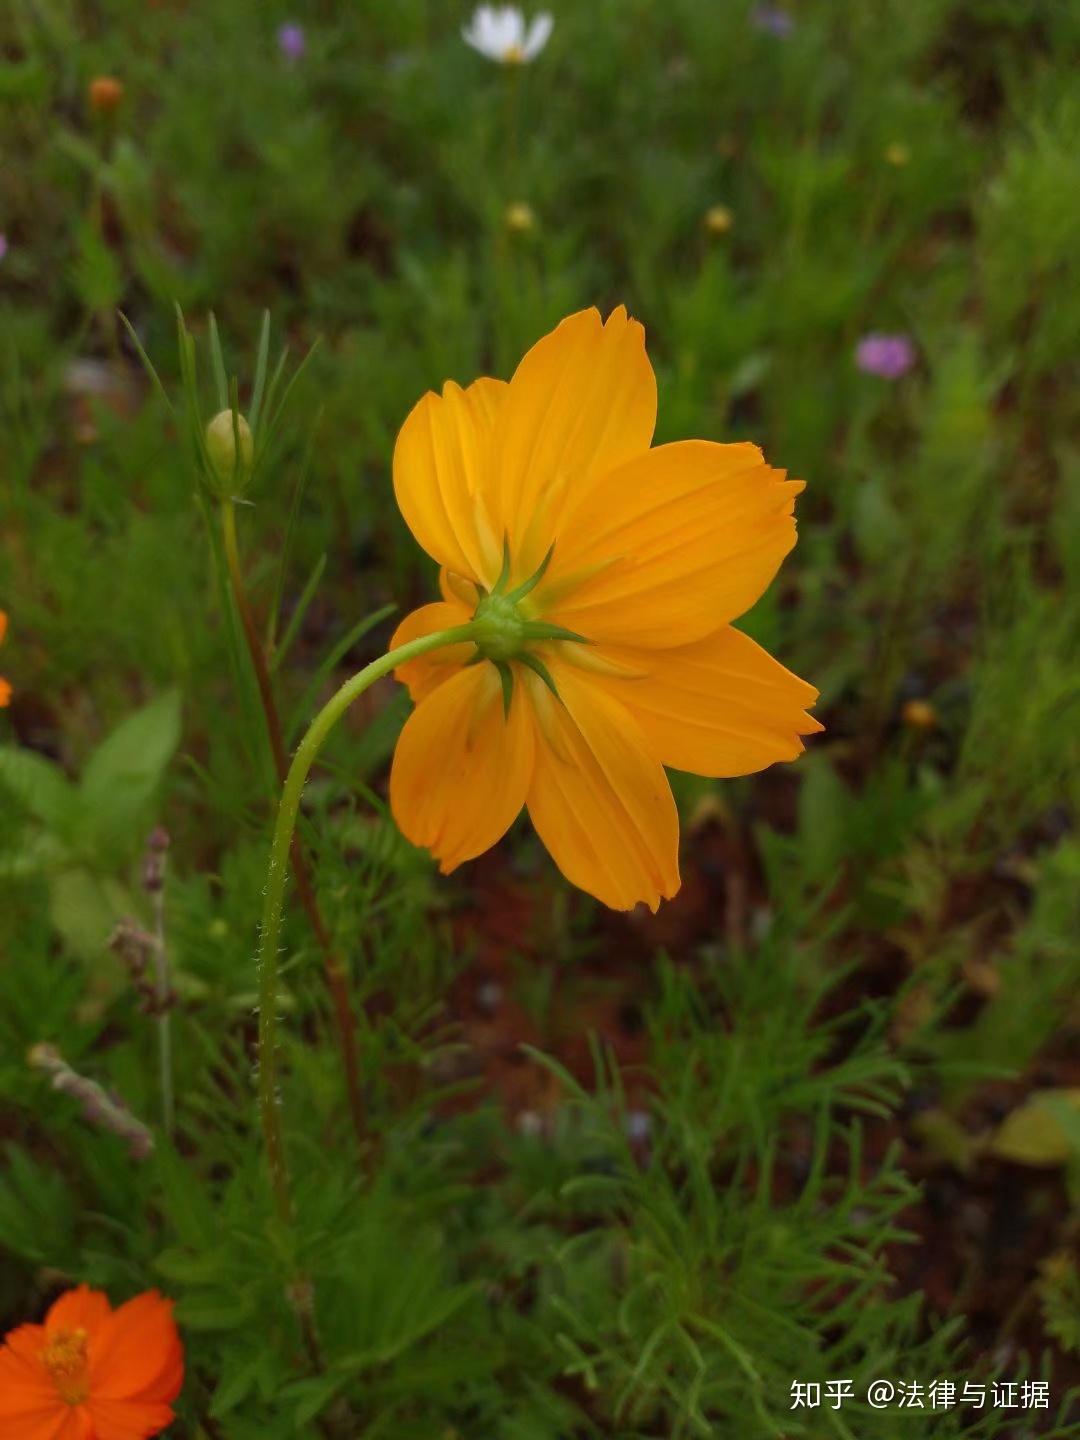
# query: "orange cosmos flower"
(5, 688)
(605, 575)
(91, 1372)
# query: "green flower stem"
(270, 934)
(336, 978)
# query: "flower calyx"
(505, 628)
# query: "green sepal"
(241, 472)
(188, 379)
(504, 573)
(527, 585)
(506, 675)
(541, 630)
(537, 666)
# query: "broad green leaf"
(123, 774)
(39, 786)
(32, 852)
(84, 908)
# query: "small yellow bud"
(718, 220)
(221, 447)
(919, 715)
(897, 154)
(105, 94)
(520, 218)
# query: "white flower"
(500, 33)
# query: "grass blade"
(260, 373)
(297, 617)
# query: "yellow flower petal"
(462, 769)
(582, 401)
(443, 474)
(721, 706)
(599, 800)
(671, 546)
(429, 671)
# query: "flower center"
(513, 55)
(65, 1358)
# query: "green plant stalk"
(336, 979)
(274, 897)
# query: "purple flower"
(772, 20)
(3, 245)
(291, 41)
(889, 356)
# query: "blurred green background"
(842, 1066)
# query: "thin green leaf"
(297, 617)
(270, 400)
(286, 546)
(340, 650)
(274, 416)
(217, 359)
(147, 363)
(260, 373)
(189, 378)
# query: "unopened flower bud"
(520, 218)
(918, 715)
(221, 447)
(717, 220)
(105, 94)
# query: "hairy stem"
(273, 902)
(336, 980)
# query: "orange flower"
(5, 688)
(605, 575)
(91, 1372)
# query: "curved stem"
(336, 980)
(284, 828)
